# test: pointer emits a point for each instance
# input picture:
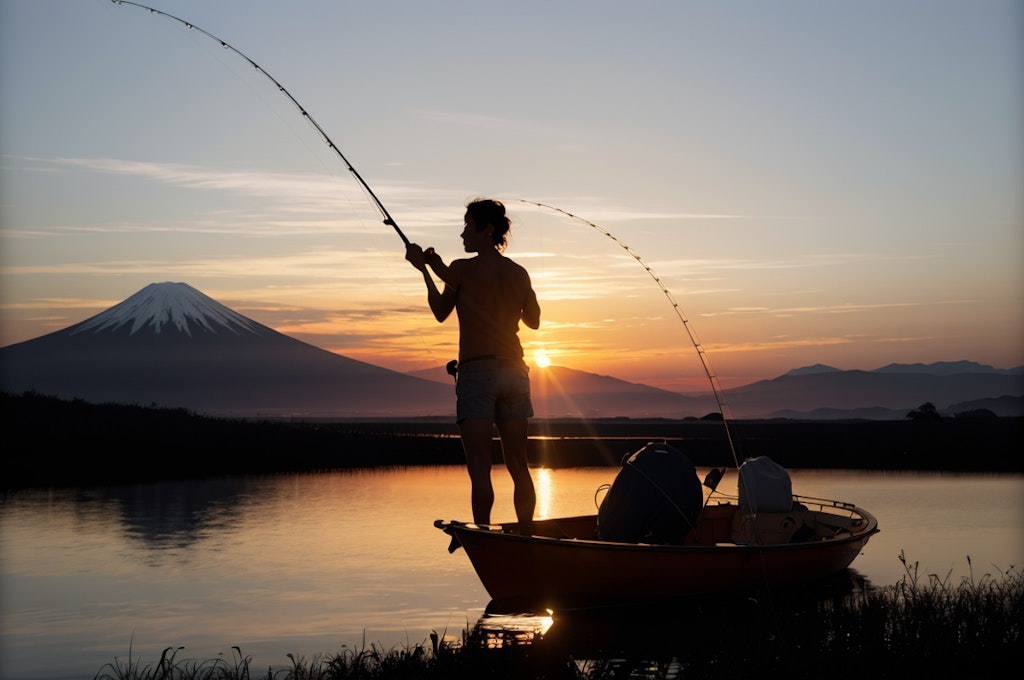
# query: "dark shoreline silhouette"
(54, 442)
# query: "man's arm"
(531, 308)
(531, 311)
(442, 270)
(441, 303)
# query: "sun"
(541, 358)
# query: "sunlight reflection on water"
(305, 564)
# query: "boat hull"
(564, 562)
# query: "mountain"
(814, 370)
(560, 392)
(892, 390)
(171, 345)
(565, 392)
(817, 392)
(948, 368)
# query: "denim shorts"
(493, 389)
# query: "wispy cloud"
(290, 202)
(596, 213)
(807, 342)
(839, 308)
(338, 266)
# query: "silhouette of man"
(491, 294)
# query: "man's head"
(484, 213)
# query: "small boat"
(655, 536)
(727, 548)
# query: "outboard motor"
(764, 486)
(655, 498)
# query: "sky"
(779, 183)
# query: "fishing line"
(712, 378)
(705, 361)
(281, 88)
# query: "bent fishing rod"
(281, 88)
(388, 220)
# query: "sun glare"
(541, 358)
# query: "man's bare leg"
(477, 435)
(513, 447)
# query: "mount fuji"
(171, 345)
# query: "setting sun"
(541, 358)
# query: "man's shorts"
(493, 389)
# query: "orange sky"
(804, 199)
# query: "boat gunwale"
(506, 532)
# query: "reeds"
(919, 627)
(923, 626)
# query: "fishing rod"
(716, 388)
(305, 114)
(388, 220)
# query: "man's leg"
(513, 447)
(477, 435)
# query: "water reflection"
(175, 515)
(653, 630)
(306, 564)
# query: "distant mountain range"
(560, 392)
(171, 345)
(888, 392)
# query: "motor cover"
(655, 498)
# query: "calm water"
(307, 564)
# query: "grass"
(923, 626)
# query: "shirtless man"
(491, 294)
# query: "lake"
(305, 564)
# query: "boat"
(565, 563)
(656, 536)
(731, 546)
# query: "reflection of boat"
(727, 551)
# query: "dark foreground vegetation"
(922, 627)
(112, 443)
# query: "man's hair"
(486, 211)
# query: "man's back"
(493, 293)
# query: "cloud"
(841, 308)
(290, 202)
(809, 342)
(598, 212)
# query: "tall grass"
(923, 626)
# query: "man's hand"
(439, 267)
(415, 255)
(431, 257)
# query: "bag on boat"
(764, 486)
(655, 498)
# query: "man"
(491, 294)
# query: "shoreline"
(118, 444)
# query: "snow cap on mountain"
(159, 304)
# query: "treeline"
(56, 442)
